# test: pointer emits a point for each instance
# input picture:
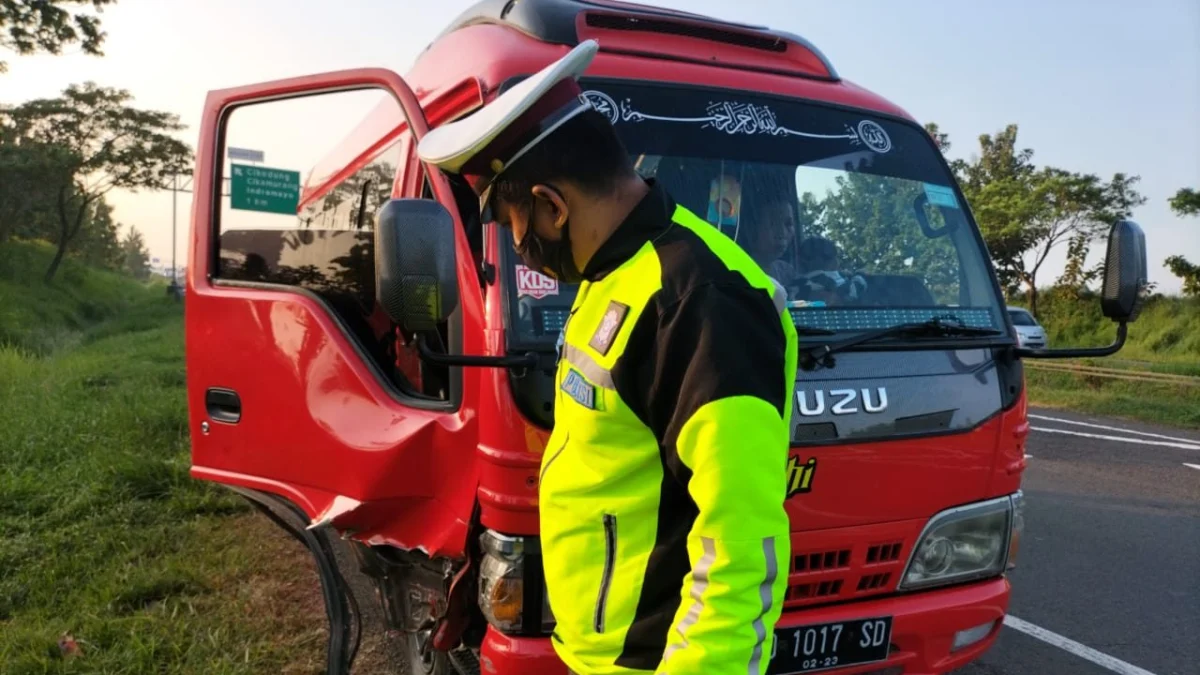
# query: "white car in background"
(1030, 333)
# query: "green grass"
(103, 534)
(41, 318)
(1165, 338)
(1152, 402)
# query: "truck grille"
(829, 560)
(849, 563)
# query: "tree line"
(1025, 211)
(60, 157)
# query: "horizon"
(1081, 104)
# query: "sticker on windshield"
(738, 118)
(940, 195)
(535, 284)
(724, 201)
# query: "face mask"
(549, 255)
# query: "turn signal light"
(502, 581)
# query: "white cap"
(483, 144)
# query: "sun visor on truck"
(482, 145)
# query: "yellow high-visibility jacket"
(664, 536)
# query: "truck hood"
(889, 436)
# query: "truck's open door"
(293, 388)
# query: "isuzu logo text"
(841, 401)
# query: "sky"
(1097, 86)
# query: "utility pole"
(176, 188)
(174, 209)
(185, 186)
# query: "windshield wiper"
(943, 326)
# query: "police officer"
(663, 531)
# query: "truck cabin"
(841, 197)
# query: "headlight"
(509, 565)
(960, 544)
(502, 580)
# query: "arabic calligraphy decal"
(874, 136)
(735, 118)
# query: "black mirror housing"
(416, 279)
(1122, 296)
(1125, 273)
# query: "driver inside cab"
(771, 230)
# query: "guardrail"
(1114, 373)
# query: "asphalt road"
(1111, 555)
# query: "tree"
(999, 187)
(99, 242)
(108, 144)
(1186, 202)
(877, 230)
(940, 139)
(135, 254)
(1185, 270)
(1076, 276)
(26, 210)
(29, 26)
(1025, 212)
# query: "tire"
(423, 660)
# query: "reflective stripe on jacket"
(664, 535)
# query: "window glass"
(855, 215)
(1021, 318)
(303, 180)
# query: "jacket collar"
(649, 218)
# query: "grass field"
(1172, 405)
(103, 535)
(1165, 338)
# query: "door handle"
(223, 405)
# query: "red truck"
(368, 359)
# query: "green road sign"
(257, 188)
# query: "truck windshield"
(855, 215)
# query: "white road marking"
(1140, 441)
(1067, 644)
(1108, 428)
(1192, 466)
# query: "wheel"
(423, 659)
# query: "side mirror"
(1125, 273)
(416, 279)
(1125, 277)
(415, 266)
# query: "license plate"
(807, 649)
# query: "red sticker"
(535, 284)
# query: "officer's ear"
(549, 198)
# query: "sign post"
(259, 188)
(246, 155)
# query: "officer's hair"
(584, 151)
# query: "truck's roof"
(495, 40)
(560, 22)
